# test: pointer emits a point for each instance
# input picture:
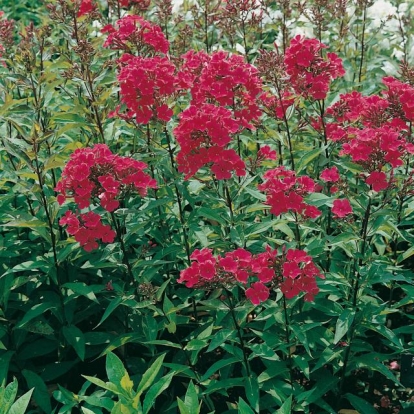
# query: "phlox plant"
(206, 207)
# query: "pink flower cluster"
(286, 192)
(86, 7)
(341, 207)
(141, 4)
(224, 90)
(146, 85)
(310, 74)
(87, 229)
(292, 272)
(147, 81)
(134, 32)
(203, 134)
(226, 80)
(373, 130)
(97, 175)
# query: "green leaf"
(361, 405)
(150, 375)
(8, 395)
(21, 404)
(117, 373)
(211, 215)
(83, 289)
(76, 339)
(112, 306)
(181, 406)
(307, 158)
(343, 324)
(243, 407)
(105, 385)
(252, 392)
(220, 337)
(217, 366)
(369, 362)
(286, 408)
(36, 311)
(40, 393)
(4, 365)
(155, 390)
(191, 399)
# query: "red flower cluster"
(226, 80)
(401, 99)
(224, 89)
(285, 192)
(96, 174)
(141, 4)
(372, 130)
(309, 73)
(146, 84)
(341, 208)
(86, 7)
(87, 229)
(293, 272)
(203, 134)
(135, 32)
(275, 106)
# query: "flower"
(330, 175)
(285, 192)
(309, 73)
(134, 31)
(293, 272)
(257, 293)
(378, 181)
(341, 208)
(86, 7)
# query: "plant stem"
(125, 259)
(287, 333)
(355, 289)
(239, 334)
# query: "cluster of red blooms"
(146, 84)
(341, 207)
(223, 90)
(225, 80)
(373, 130)
(277, 106)
(134, 32)
(87, 229)
(203, 134)
(292, 272)
(86, 7)
(142, 4)
(96, 174)
(310, 74)
(285, 192)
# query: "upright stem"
(124, 251)
(287, 333)
(178, 196)
(361, 62)
(239, 334)
(48, 216)
(355, 290)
